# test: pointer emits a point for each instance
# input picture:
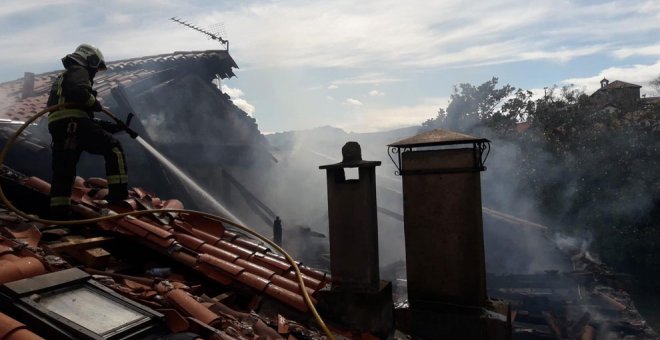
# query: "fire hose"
(4, 200)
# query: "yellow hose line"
(12, 140)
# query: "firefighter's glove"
(97, 107)
(108, 126)
(131, 133)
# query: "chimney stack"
(28, 85)
(445, 259)
(352, 215)
(357, 298)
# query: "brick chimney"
(357, 297)
(352, 215)
(443, 227)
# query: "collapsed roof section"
(24, 97)
(180, 112)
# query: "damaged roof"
(24, 97)
(228, 264)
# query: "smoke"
(156, 127)
(512, 248)
(299, 188)
(6, 99)
(298, 193)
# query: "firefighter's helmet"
(89, 56)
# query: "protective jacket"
(73, 86)
(73, 130)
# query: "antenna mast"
(213, 36)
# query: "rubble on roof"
(587, 300)
(200, 275)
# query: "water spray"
(217, 206)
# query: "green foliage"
(470, 105)
(588, 169)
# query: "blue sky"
(360, 65)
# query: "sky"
(362, 66)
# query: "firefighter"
(277, 231)
(74, 129)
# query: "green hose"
(12, 140)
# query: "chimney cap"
(352, 158)
(437, 137)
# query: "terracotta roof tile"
(273, 263)
(309, 282)
(229, 235)
(255, 268)
(226, 258)
(143, 228)
(205, 236)
(183, 301)
(174, 321)
(230, 247)
(27, 233)
(289, 284)
(37, 184)
(11, 329)
(288, 297)
(252, 280)
(220, 277)
(184, 258)
(163, 243)
(227, 267)
(315, 274)
(189, 241)
(219, 253)
(15, 267)
(251, 245)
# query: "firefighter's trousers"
(70, 138)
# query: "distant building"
(622, 95)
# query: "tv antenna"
(215, 34)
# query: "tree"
(582, 167)
(470, 105)
(473, 106)
(655, 83)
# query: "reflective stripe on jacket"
(72, 86)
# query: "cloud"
(235, 95)
(423, 34)
(119, 18)
(244, 105)
(232, 92)
(376, 93)
(564, 54)
(649, 50)
(382, 119)
(331, 98)
(14, 7)
(367, 79)
(638, 74)
(387, 34)
(352, 102)
(333, 87)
